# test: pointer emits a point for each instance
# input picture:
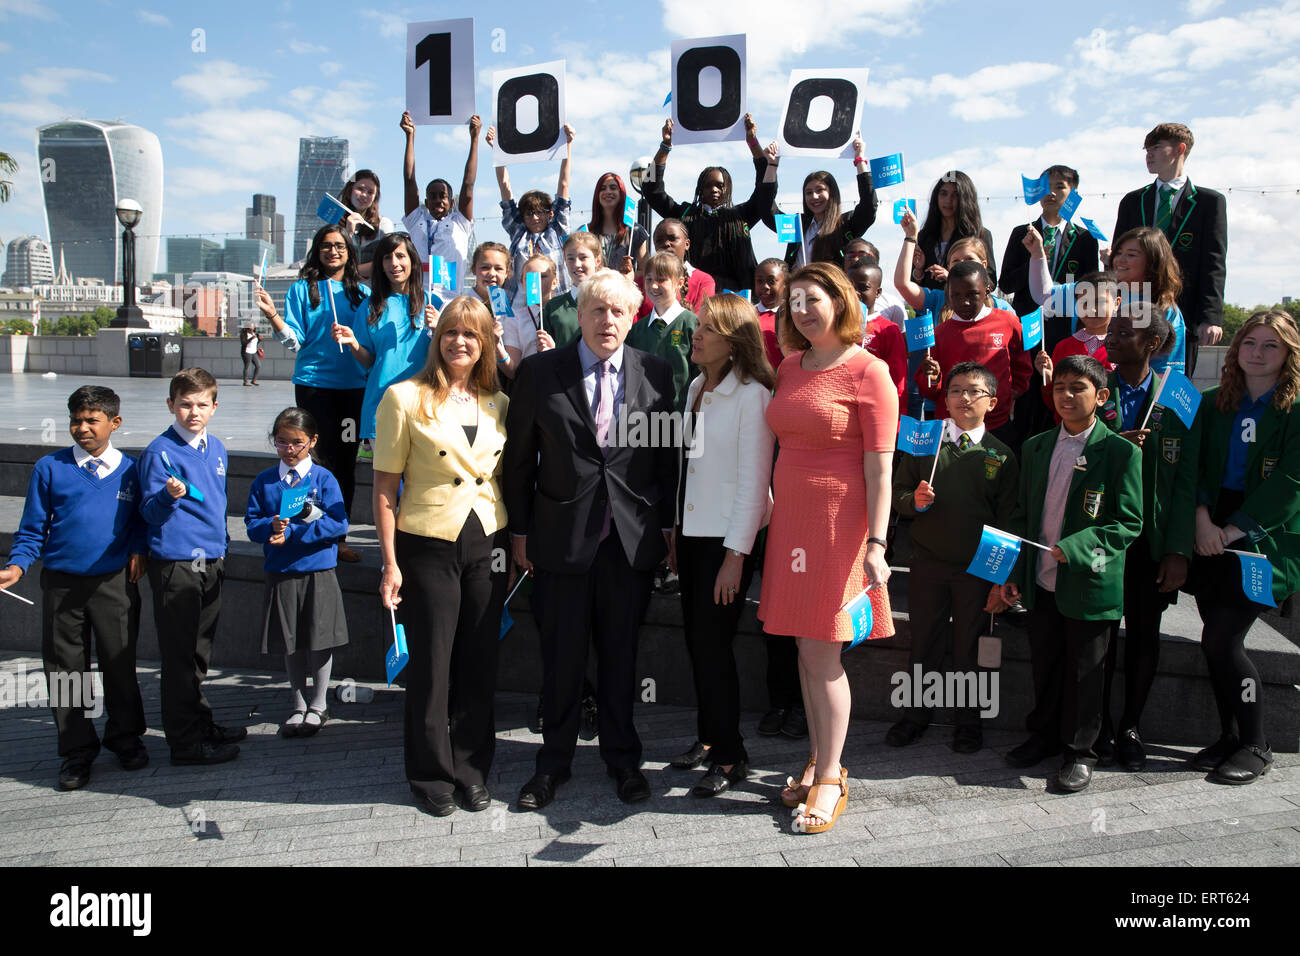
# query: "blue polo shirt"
(1244, 429)
(1131, 398)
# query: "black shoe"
(903, 733)
(477, 798)
(134, 758)
(75, 773)
(1213, 755)
(1032, 751)
(1074, 777)
(967, 740)
(438, 804)
(588, 728)
(795, 724)
(769, 725)
(1129, 752)
(694, 758)
(207, 753)
(540, 791)
(718, 781)
(631, 784)
(535, 725)
(1245, 766)
(217, 735)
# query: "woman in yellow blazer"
(439, 437)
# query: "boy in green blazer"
(1081, 495)
(1156, 564)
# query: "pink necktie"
(604, 415)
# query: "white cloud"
(389, 24)
(55, 80)
(244, 140)
(26, 8)
(300, 46)
(1199, 8)
(185, 182)
(986, 94)
(221, 82)
(153, 19)
(330, 67)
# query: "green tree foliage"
(18, 327)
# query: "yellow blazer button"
(478, 481)
(456, 481)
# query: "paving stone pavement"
(340, 798)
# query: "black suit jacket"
(1078, 259)
(1198, 232)
(556, 480)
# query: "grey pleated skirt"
(303, 611)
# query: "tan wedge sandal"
(824, 820)
(796, 793)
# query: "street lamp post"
(129, 315)
(636, 175)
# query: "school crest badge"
(675, 336)
(1092, 503)
(1268, 467)
(997, 339)
(1184, 240)
(1072, 267)
(221, 466)
(1171, 449)
(991, 466)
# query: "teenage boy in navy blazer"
(1195, 220)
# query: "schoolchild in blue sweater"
(80, 519)
(302, 606)
(183, 475)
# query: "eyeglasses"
(333, 246)
(974, 394)
(290, 445)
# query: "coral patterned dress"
(817, 540)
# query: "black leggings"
(338, 420)
(1233, 675)
(1144, 604)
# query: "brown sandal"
(796, 793)
(825, 820)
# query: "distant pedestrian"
(250, 350)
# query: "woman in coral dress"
(835, 415)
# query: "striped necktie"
(203, 446)
(92, 466)
(291, 479)
(963, 441)
(1165, 210)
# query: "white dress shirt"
(109, 459)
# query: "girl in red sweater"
(1096, 299)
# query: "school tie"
(658, 324)
(604, 415)
(203, 446)
(1165, 210)
(291, 479)
(1049, 242)
(92, 466)
(963, 441)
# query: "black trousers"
(1143, 606)
(1066, 657)
(451, 610)
(338, 417)
(251, 359)
(946, 606)
(1193, 352)
(710, 631)
(75, 607)
(604, 606)
(186, 604)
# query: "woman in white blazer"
(723, 500)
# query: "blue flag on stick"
(743, 293)
(1256, 578)
(859, 612)
(397, 656)
(903, 204)
(887, 170)
(919, 438)
(500, 302)
(292, 500)
(331, 210)
(789, 229)
(629, 211)
(1094, 229)
(175, 473)
(1031, 329)
(533, 288)
(1179, 394)
(1035, 189)
(1070, 205)
(920, 332)
(996, 556)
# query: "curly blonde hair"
(1232, 381)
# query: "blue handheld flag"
(629, 211)
(331, 210)
(902, 204)
(171, 469)
(859, 612)
(1092, 228)
(532, 288)
(996, 556)
(1256, 578)
(1031, 326)
(1035, 189)
(887, 170)
(919, 438)
(1179, 394)
(397, 656)
(920, 332)
(507, 622)
(789, 229)
(1070, 205)
(500, 302)
(292, 500)
(743, 293)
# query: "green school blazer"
(672, 344)
(1169, 460)
(560, 319)
(1270, 513)
(1103, 516)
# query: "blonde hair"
(434, 379)
(1232, 380)
(606, 285)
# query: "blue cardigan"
(308, 545)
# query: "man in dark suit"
(590, 515)
(1195, 220)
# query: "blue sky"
(987, 89)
